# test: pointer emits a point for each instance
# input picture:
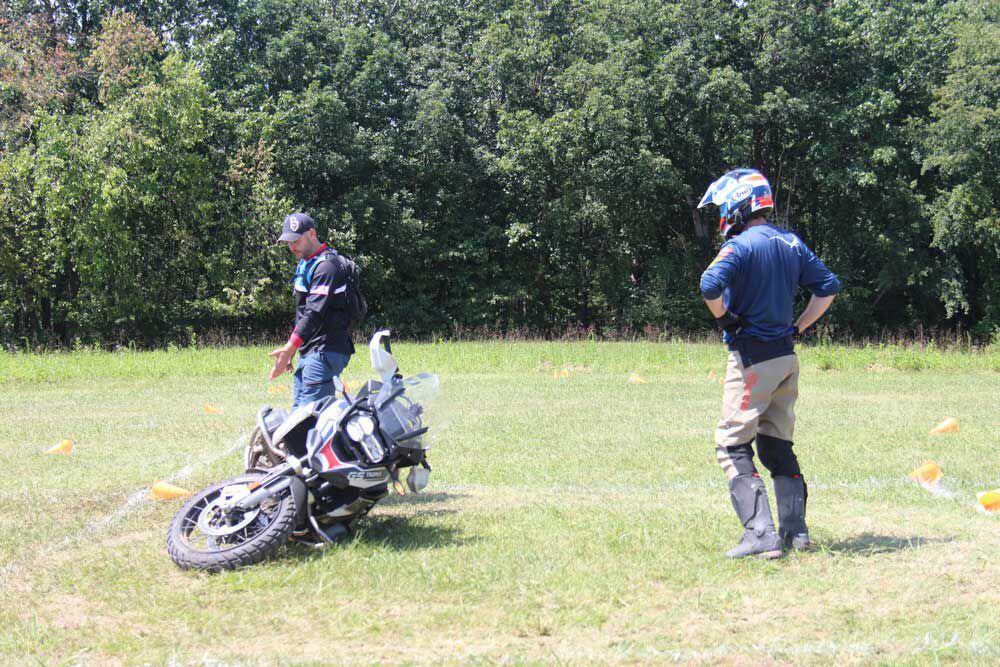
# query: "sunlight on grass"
(577, 517)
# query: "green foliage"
(128, 232)
(510, 165)
(962, 146)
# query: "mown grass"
(572, 516)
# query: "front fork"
(274, 483)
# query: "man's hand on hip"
(814, 310)
(730, 322)
(282, 360)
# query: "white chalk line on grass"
(940, 491)
(141, 496)
(135, 500)
(926, 644)
(633, 650)
(577, 492)
(641, 488)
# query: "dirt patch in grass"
(72, 612)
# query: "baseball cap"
(295, 225)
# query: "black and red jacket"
(321, 318)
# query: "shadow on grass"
(419, 499)
(403, 533)
(869, 544)
(398, 532)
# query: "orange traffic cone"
(167, 491)
(990, 500)
(928, 474)
(711, 376)
(64, 447)
(212, 409)
(276, 389)
(949, 425)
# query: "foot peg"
(329, 533)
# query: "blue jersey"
(757, 274)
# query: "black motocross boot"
(791, 494)
(750, 502)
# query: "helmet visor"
(718, 191)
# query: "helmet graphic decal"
(738, 194)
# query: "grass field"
(573, 517)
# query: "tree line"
(495, 165)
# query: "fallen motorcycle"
(311, 474)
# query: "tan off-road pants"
(758, 399)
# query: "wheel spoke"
(214, 524)
(205, 514)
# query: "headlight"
(359, 427)
(367, 424)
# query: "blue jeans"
(314, 376)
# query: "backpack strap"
(330, 255)
(306, 267)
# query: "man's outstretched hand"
(282, 360)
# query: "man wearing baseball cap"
(322, 324)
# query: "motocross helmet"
(740, 194)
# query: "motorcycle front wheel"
(204, 536)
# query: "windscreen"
(405, 412)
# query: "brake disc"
(215, 521)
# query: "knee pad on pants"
(777, 456)
(736, 460)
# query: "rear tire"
(255, 538)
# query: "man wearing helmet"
(750, 288)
